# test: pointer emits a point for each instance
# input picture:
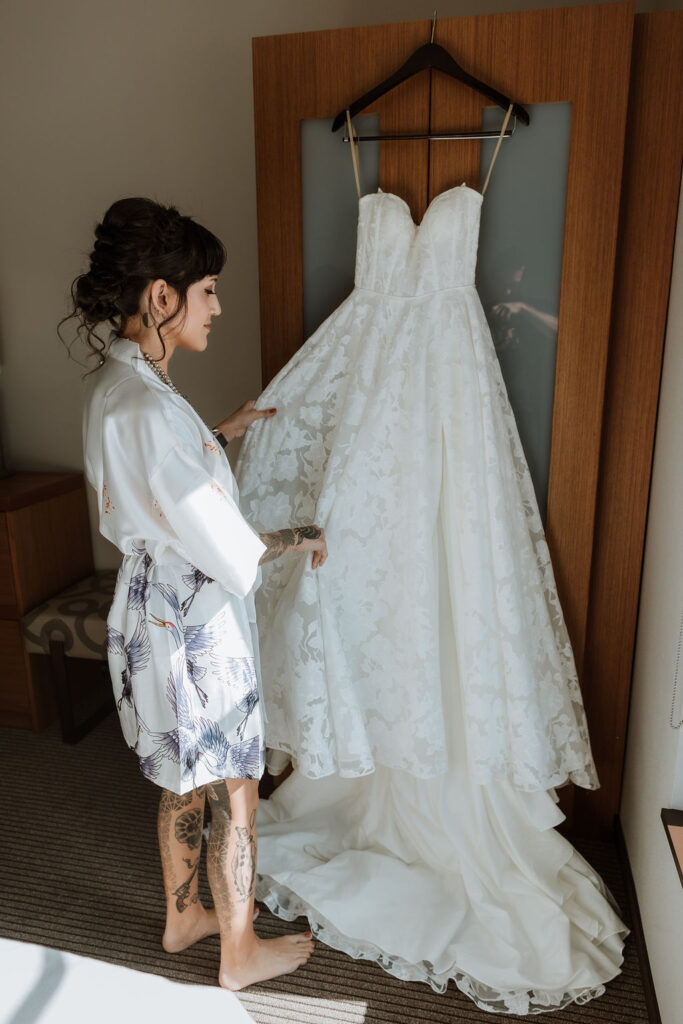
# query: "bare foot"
(266, 958)
(188, 930)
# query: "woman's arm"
(298, 538)
(207, 521)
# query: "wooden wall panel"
(650, 193)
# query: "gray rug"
(79, 871)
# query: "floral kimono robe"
(181, 632)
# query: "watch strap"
(220, 437)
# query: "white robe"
(182, 640)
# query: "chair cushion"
(77, 616)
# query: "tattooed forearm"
(306, 533)
(244, 860)
(280, 541)
(277, 544)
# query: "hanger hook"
(433, 27)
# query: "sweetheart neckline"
(441, 195)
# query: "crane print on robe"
(225, 760)
(138, 588)
(194, 640)
(195, 580)
(136, 653)
(240, 675)
(200, 738)
(150, 765)
(180, 744)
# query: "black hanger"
(431, 55)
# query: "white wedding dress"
(422, 681)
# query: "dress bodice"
(397, 257)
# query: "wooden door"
(576, 55)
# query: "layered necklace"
(162, 375)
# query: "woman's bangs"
(206, 254)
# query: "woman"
(182, 641)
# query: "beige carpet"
(79, 871)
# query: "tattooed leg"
(231, 864)
(179, 827)
(243, 862)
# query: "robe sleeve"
(207, 521)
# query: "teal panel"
(520, 266)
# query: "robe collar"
(124, 349)
(127, 351)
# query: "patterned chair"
(72, 626)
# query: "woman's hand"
(299, 538)
(239, 422)
(312, 538)
(506, 310)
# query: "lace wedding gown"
(422, 681)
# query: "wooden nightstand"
(44, 546)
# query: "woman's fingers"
(251, 414)
(247, 413)
(320, 556)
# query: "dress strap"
(495, 152)
(354, 151)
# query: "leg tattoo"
(244, 860)
(171, 802)
(180, 824)
(182, 894)
(188, 828)
(217, 853)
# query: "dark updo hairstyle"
(139, 241)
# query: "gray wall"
(653, 775)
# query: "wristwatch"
(221, 438)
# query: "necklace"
(164, 377)
(161, 373)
